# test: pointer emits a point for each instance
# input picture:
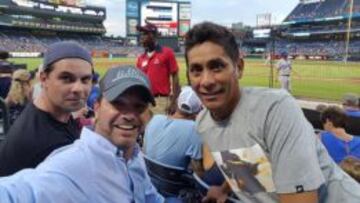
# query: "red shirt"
(158, 68)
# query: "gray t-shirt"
(269, 146)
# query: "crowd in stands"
(320, 48)
(322, 9)
(330, 48)
(26, 42)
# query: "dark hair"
(336, 115)
(212, 32)
(48, 68)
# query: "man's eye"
(218, 66)
(66, 78)
(140, 108)
(195, 70)
(86, 80)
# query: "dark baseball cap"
(148, 27)
(119, 79)
(65, 49)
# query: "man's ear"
(96, 107)
(239, 68)
(43, 77)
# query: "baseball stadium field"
(313, 80)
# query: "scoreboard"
(171, 17)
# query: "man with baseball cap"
(173, 140)
(46, 124)
(351, 104)
(105, 164)
(159, 64)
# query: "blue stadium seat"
(168, 180)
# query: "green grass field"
(315, 80)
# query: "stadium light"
(348, 32)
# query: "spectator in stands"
(266, 122)
(159, 64)
(351, 104)
(336, 140)
(36, 90)
(95, 91)
(173, 140)
(47, 124)
(5, 74)
(284, 71)
(351, 165)
(19, 94)
(105, 164)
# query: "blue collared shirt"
(92, 170)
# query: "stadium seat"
(4, 119)
(313, 117)
(353, 126)
(168, 180)
(203, 187)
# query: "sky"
(224, 12)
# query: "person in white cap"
(173, 140)
(105, 165)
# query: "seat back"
(313, 117)
(353, 125)
(4, 119)
(168, 180)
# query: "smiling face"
(147, 39)
(120, 121)
(67, 85)
(214, 77)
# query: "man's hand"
(216, 194)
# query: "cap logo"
(129, 74)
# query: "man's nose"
(129, 115)
(207, 79)
(78, 86)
